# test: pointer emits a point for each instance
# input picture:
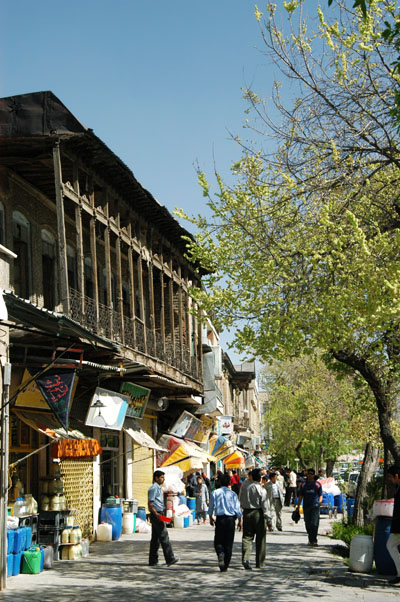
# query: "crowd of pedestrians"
(255, 503)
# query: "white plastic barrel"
(127, 522)
(104, 532)
(361, 553)
(178, 522)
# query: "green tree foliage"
(314, 415)
(304, 248)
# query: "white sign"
(107, 409)
(226, 425)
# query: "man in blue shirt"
(311, 494)
(224, 503)
(159, 533)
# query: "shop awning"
(181, 450)
(234, 460)
(46, 423)
(132, 428)
(221, 447)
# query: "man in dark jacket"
(311, 494)
(393, 542)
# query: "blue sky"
(159, 82)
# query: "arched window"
(71, 263)
(48, 268)
(22, 248)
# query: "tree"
(315, 414)
(304, 248)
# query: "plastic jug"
(48, 557)
(55, 502)
(28, 537)
(65, 535)
(79, 533)
(104, 532)
(45, 503)
(31, 561)
(20, 507)
(17, 564)
(85, 547)
(178, 522)
(10, 541)
(19, 540)
(10, 562)
(127, 522)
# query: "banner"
(205, 429)
(56, 388)
(138, 398)
(226, 425)
(107, 409)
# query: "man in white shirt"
(291, 487)
(256, 513)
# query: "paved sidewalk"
(118, 571)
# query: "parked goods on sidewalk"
(104, 532)
(111, 513)
(361, 553)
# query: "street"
(118, 571)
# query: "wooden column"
(162, 308)
(132, 300)
(151, 308)
(171, 308)
(62, 243)
(120, 301)
(107, 263)
(80, 258)
(141, 299)
(93, 250)
(180, 310)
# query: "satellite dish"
(163, 403)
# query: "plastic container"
(41, 558)
(190, 517)
(361, 553)
(65, 552)
(194, 515)
(63, 502)
(55, 503)
(73, 535)
(75, 552)
(31, 561)
(20, 508)
(339, 501)
(186, 521)
(178, 522)
(191, 503)
(104, 532)
(65, 535)
(127, 522)
(112, 514)
(10, 562)
(45, 503)
(85, 547)
(383, 561)
(48, 557)
(350, 506)
(17, 563)
(141, 513)
(19, 540)
(28, 537)
(10, 540)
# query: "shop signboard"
(107, 409)
(186, 426)
(31, 396)
(138, 397)
(226, 425)
(205, 429)
(56, 388)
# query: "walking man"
(224, 503)
(291, 486)
(393, 541)
(311, 494)
(159, 533)
(256, 513)
(276, 499)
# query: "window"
(21, 246)
(88, 277)
(48, 269)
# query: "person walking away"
(206, 482)
(393, 541)
(276, 500)
(235, 482)
(256, 513)
(224, 504)
(291, 487)
(311, 494)
(159, 533)
(202, 500)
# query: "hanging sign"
(56, 388)
(226, 425)
(107, 409)
(186, 426)
(205, 429)
(137, 399)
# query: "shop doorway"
(111, 466)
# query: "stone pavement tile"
(118, 571)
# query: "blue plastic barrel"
(331, 499)
(17, 560)
(141, 513)
(339, 502)
(10, 562)
(10, 541)
(19, 540)
(185, 521)
(112, 514)
(325, 502)
(350, 506)
(383, 561)
(191, 503)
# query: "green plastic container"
(31, 561)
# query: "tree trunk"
(302, 463)
(370, 464)
(381, 391)
(330, 463)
